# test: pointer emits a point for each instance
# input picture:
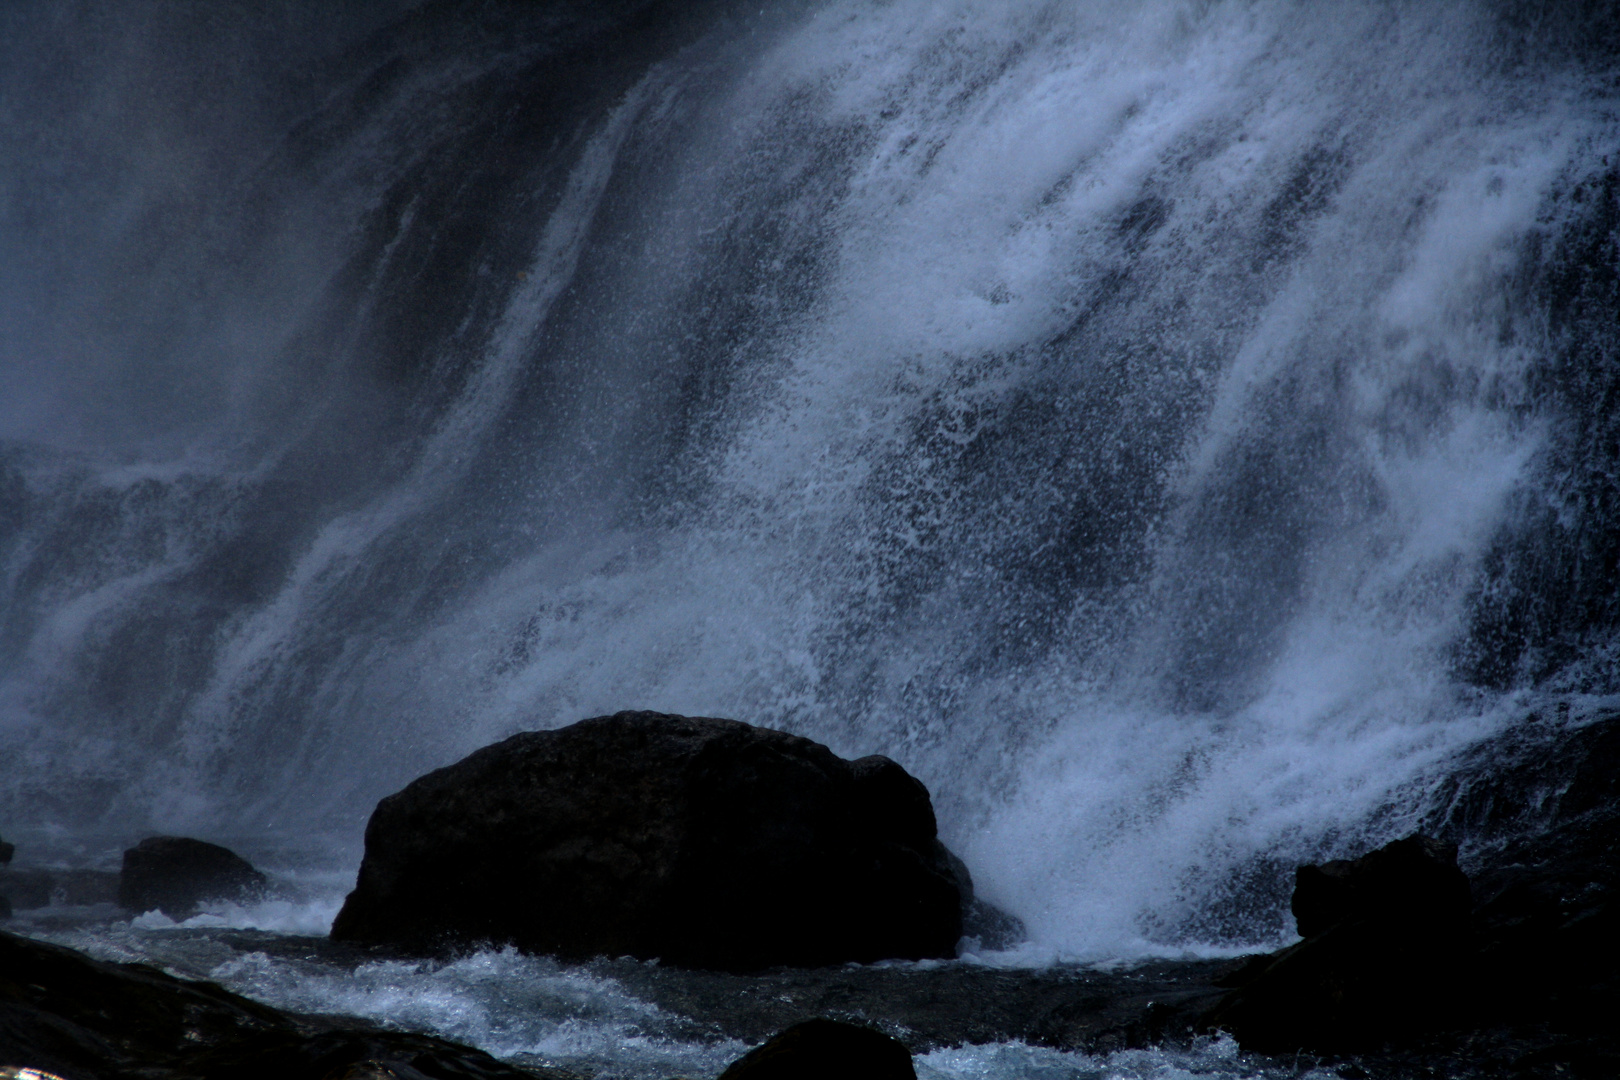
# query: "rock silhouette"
(1386, 945)
(173, 874)
(704, 842)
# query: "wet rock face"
(1546, 807)
(822, 1048)
(88, 1020)
(707, 843)
(1401, 950)
(1414, 881)
(1387, 946)
(173, 874)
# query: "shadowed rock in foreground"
(705, 843)
(87, 1020)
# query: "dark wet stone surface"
(948, 1005)
(1386, 955)
(1511, 973)
(88, 1020)
(175, 874)
(708, 843)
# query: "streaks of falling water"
(1152, 424)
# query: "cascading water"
(1170, 430)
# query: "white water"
(1243, 694)
(1102, 409)
(532, 1011)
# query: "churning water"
(1170, 430)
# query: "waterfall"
(1171, 430)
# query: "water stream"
(1172, 431)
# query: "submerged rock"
(64, 1012)
(173, 874)
(822, 1048)
(707, 843)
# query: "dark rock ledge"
(1512, 970)
(87, 1020)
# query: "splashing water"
(1153, 425)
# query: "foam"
(306, 917)
(513, 1006)
(1218, 1057)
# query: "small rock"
(173, 874)
(823, 1048)
(6, 852)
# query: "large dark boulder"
(821, 1048)
(174, 874)
(1386, 956)
(706, 843)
